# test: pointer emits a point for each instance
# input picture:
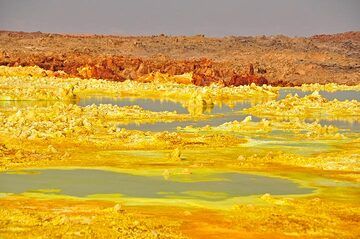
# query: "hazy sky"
(182, 17)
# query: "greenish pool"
(340, 95)
(87, 182)
(160, 104)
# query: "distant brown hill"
(277, 60)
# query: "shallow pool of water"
(87, 182)
(353, 126)
(340, 95)
(160, 105)
(171, 126)
(148, 104)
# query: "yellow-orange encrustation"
(296, 138)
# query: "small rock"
(187, 213)
(118, 208)
(241, 158)
(175, 154)
(266, 196)
(51, 149)
(166, 174)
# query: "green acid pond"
(87, 182)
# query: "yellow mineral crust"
(276, 217)
(337, 161)
(330, 87)
(82, 219)
(96, 125)
(315, 217)
(31, 87)
(295, 125)
(88, 117)
(313, 105)
(64, 134)
(164, 78)
(34, 71)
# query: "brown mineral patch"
(276, 60)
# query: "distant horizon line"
(83, 34)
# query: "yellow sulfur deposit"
(331, 87)
(165, 78)
(97, 125)
(29, 87)
(34, 71)
(294, 125)
(313, 105)
(211, 162)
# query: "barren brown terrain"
(233, 60)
